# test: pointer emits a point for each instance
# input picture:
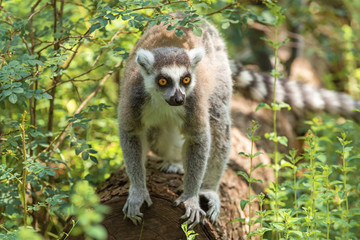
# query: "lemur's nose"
(177, 99)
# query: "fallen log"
(162, 220)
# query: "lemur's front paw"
(214, 204)
(193, 213)
(133, 203)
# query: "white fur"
(244, 79)
(280, 92)
(260, 91)
(169, 147)
(144, 58)
(195, 55)
(331, 99)
(349, 104)
(175, 72)
(157, 111)
(317, 102)
(149, 82)
(296, 99)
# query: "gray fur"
(195, 131)
(301, 96)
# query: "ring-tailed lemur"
(300, 96)
(175, 101)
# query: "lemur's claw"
(193, 213)
(133, 204)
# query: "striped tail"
(300, 96)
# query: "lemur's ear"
(195, 55)
(145, 60)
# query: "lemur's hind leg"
(166, 142)
(220, 147)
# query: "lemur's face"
(169, 73)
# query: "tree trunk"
(162, 220)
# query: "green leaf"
(257, 154)
(38, 96)
(278, 226)
(110, 16)
(94, 27)
(284, 105)
(237, 220)
(255, 138)
(179, 32)
(243, 154)
(18, 90)
(225, 25)
(287, 164)
(243, 203)
(259, 165)
(85, 155)
(94, 159)
(243, 174)
(13, 98)
(97, 231)
(7, 92)
(296, 234)
(47, 96)
(252, 197)
(262, 105)
(283, 140)
(125, 17)
(78, 150)
(170, 27)
(256, 180)
(103, 22)
(197, 31)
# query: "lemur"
(175, 101)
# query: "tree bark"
(162, 220)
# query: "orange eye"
(186, 80)
(162, 82)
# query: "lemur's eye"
(186, 80)
(162, 82)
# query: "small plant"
(311, 154)
(320, 206)
(189, 233)
(292, 163)
(279, 18)
(262, 213)
(249, 178)
(344, 156)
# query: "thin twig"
(77, 90)
(39, 10)
(162, 5)
(74, 78)
(73, 55)
(222, 9)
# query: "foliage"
(316, 176)
(58, 117)
(260, 197)
(60, 62)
